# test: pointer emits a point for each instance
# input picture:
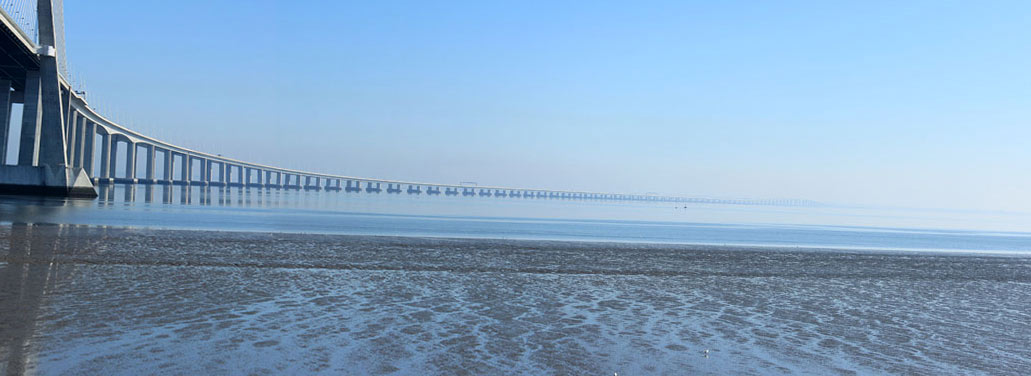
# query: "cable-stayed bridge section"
(66, 147)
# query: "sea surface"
(231, 281)
(329, 212)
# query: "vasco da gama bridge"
(59, 153)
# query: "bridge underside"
(16, 59)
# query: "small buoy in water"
(706, 353)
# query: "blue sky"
(921, 103)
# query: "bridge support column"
(105, 156)
(185, 169)
(209, 172)
(28, 152)
(226, 173)
(169, 166)
(80, 143)
(188, 170)
(205, 170)
(5, 118)
(90, 144)
(130, 160)
(52, 146)
(113, 158)
(71, 127)
(150, 163)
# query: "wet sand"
(94, 300)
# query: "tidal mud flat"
(101, 300)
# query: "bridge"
(59, 153)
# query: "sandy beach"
(103, 300)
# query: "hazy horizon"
(924, 105)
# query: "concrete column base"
(62, 181)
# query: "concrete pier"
(5, 118)
(90, 146)
(130, 162)
(46, 180)
(80, 142)
(151, 164)
(166, 174)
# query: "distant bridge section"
(63, 135)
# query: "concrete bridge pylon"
(43, 163)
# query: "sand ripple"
(104, 301)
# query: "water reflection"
(29, 277)
(29, 209)
(210, 195)
(250, 196)
(189, 195)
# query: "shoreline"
(585, 241)
(93, 245)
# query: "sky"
(913, 104)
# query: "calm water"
(292, 284)
(236, 209)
